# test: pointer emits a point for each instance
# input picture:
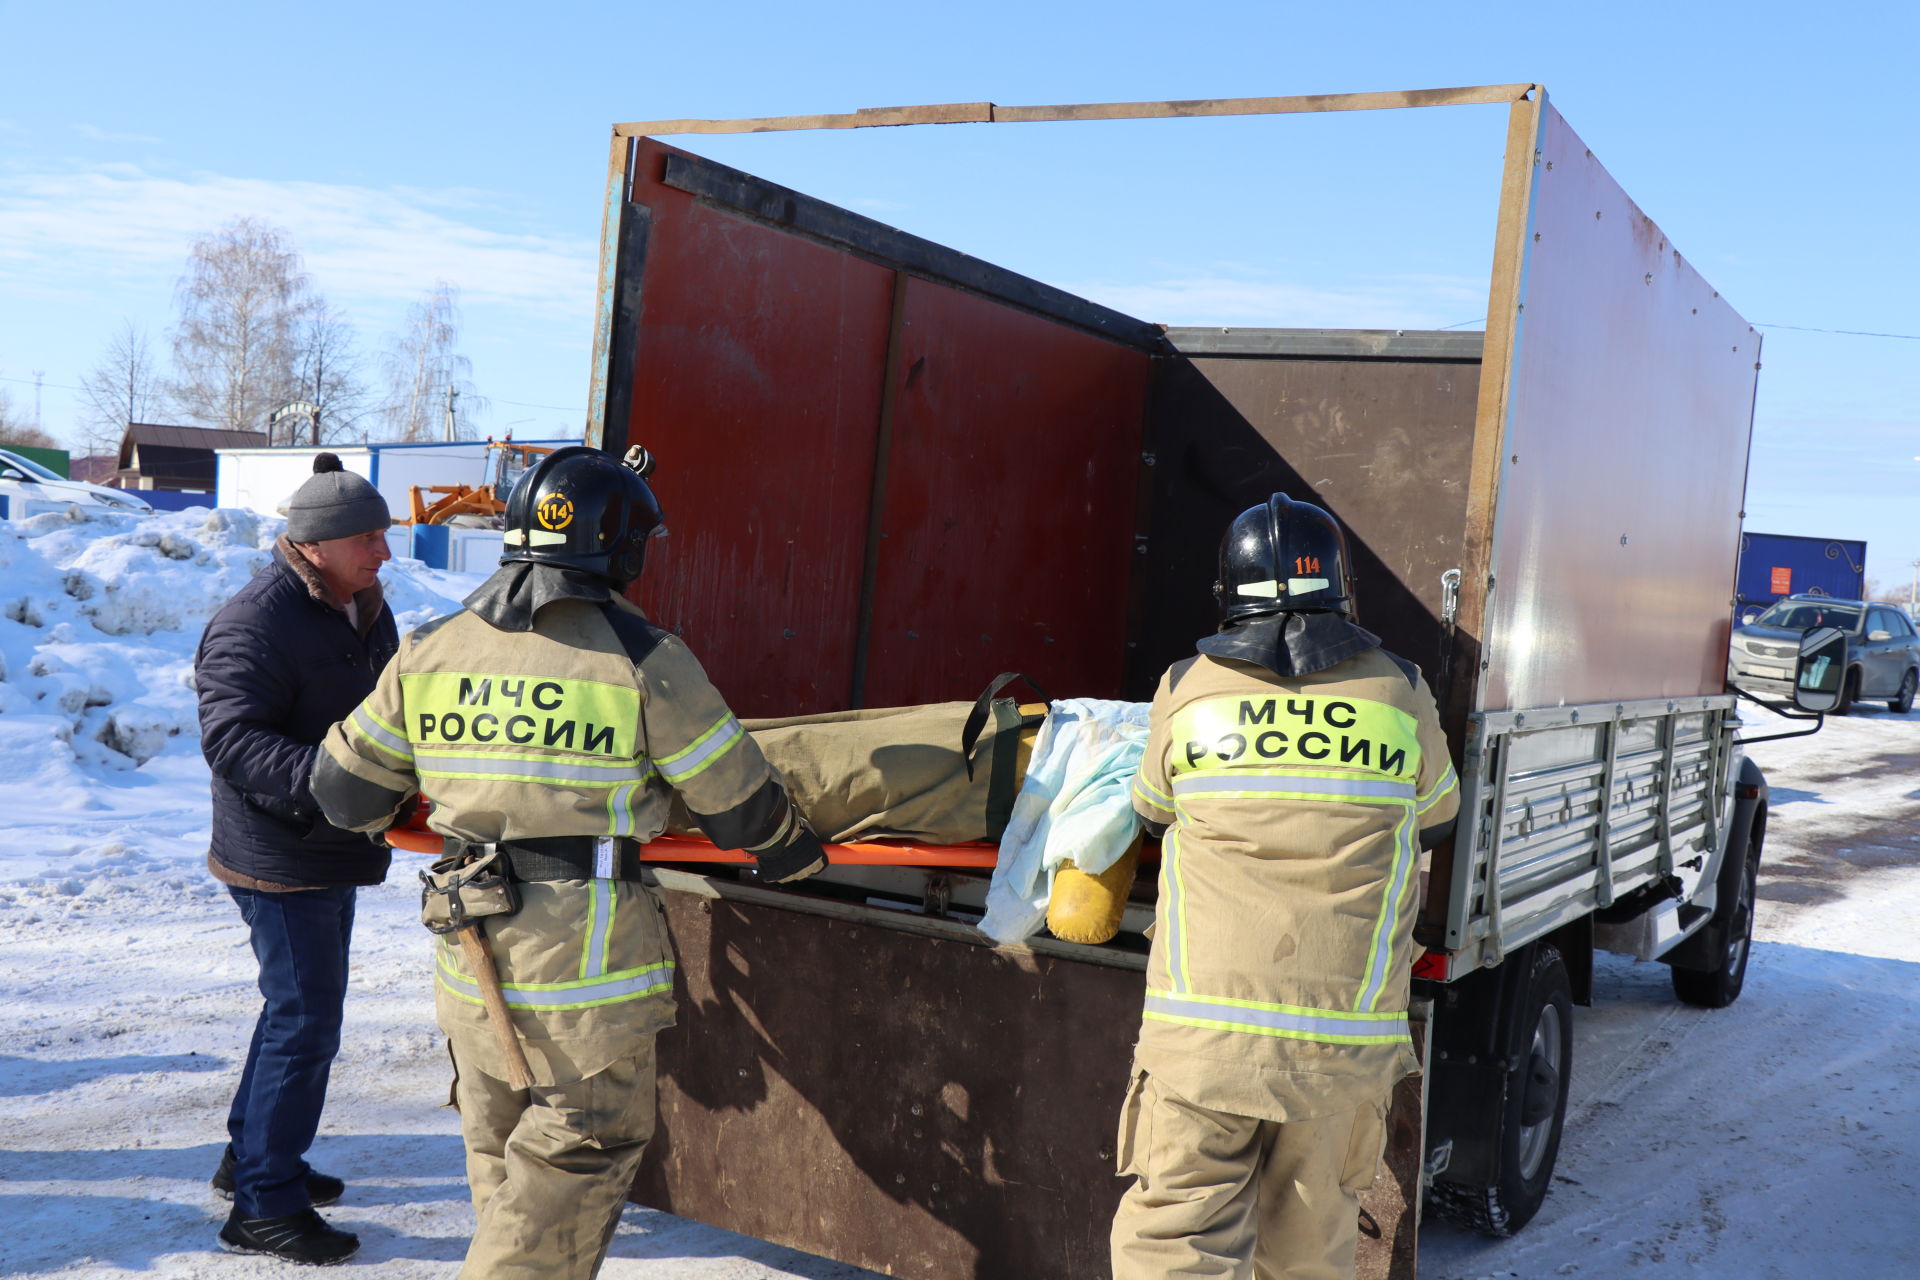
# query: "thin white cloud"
(371, 250)
(94, 133)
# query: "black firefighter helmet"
(581, 509)
(1283, 557)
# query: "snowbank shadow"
(1793, 795)
(134, 1206)
(23, 1077)
(387, 1169)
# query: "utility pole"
(452, 395)
(1913, 592)
(38, 374)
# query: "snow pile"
(99, 618)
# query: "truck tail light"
(1437, 965)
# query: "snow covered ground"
(1777, 1138)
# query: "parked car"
(1883, 649)
(23, 480)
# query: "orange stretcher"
(416, 837)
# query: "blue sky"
(402, 144)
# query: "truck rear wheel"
(1534, 1110)
(1730, 934)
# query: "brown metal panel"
(1623, 468)
(1016, 443)
(757, 359)
(1381, 443)
(926, 1108)
(921, 1107)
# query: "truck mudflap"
(886, 1089)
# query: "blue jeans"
(300, 939)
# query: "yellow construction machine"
(506, 462)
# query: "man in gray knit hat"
(293, 651)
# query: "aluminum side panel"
(1630, 406)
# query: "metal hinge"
(1437, 1160)
(1449, 597)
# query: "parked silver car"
(25, 481)
(1883, 650)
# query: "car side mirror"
(9, 473)
(1821, 667)
(1876, 637)
(1746, 619)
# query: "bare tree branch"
(328, 375)
(123, 388)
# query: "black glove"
(799, 858)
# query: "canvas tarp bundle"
(895, 772)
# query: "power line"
(1851, 333)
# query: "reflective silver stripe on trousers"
(393, 742)
(1322, 1025)
(611, 774)
(1337, 788)
(656, 976)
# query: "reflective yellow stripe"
(381, 734)
(1151, 794)
(500, 766)
(612, 988)
(699, 755)
(1174, 886)
(1259, 1018)
(1449, 781)
(1290, 730)
(461, 708)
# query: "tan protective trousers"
(550, 1167)
(1225, 1195)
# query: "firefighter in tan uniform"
(1297, 769)
(548, 723)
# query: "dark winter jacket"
(277, 666)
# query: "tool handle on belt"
(487, 977)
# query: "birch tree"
(426, 373)
(241, 305)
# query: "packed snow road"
(1776, 1138)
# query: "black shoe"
(322, 1188)
(302, 1237)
